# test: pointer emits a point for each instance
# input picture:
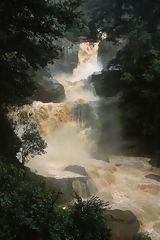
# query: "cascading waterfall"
(88, 64)
(68, 129)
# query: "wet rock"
(68, 61)
(107, 51)
(123, 224)
(49, 91)
(102, 157)
(153, 177)
(106, 159)
(118, 165)
(83, 186)
(85, 114)
(77, 169)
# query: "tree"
(119, 17)
(26, 129)
(32, 143)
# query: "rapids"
(71, 141)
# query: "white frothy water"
(122, 181)
(88, 64)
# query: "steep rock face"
(123, 224)
(83, 186)
(77, 169)
(68, 61)
(49, 91)
(107, 83)
(153, 177)
(107, 51)
(85, 113)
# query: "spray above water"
(88, 62)
(76, 86)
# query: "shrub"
(89, 220)
(28, 209)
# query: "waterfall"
(70, 129)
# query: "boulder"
(123, 224)
(77, 169)
(108, 50)
(49, 90)
(83, 186)
(153, 177)
(68, 61)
